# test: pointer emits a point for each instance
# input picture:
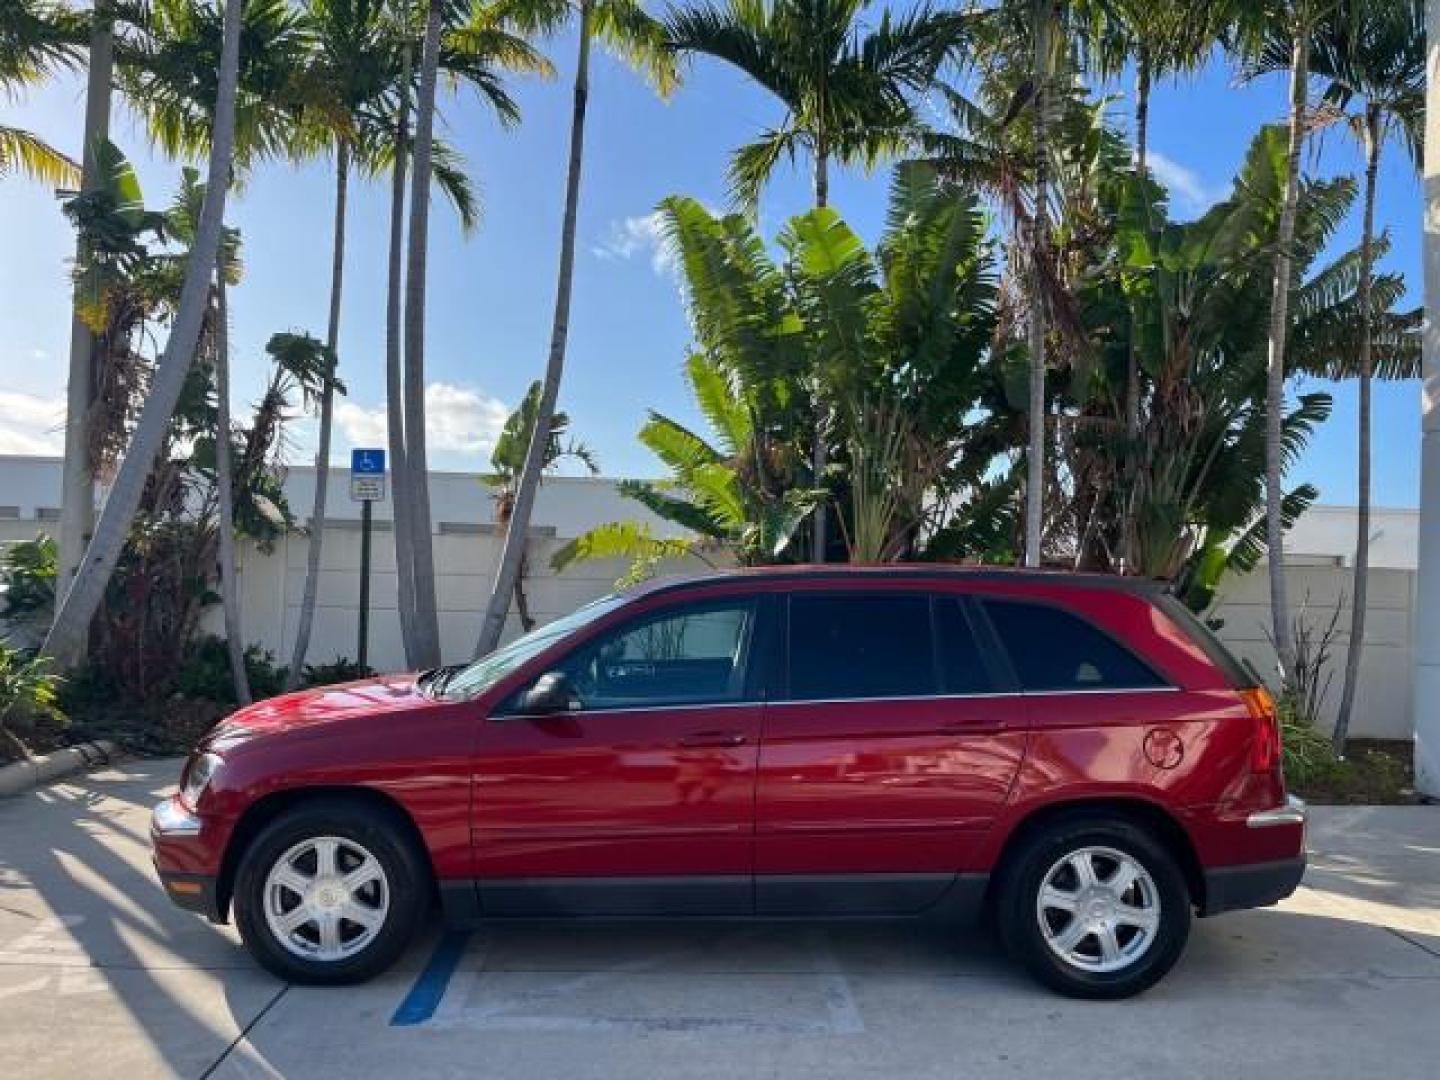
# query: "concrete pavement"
(100, 975)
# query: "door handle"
(713, 738)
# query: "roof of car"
(900, 572)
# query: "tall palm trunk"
(1132, 357)
(394, 381)
(225, 494)
(1035, 471)
(1275, 361)
(327, 420)
(820, 457)
(1142, 138)
(77, 491)
(426, 625)
(513, 550)
(1362, 516)
(75, 610)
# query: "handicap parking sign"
(367, 474)
(368, 461)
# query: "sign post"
(367, 486)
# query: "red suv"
(1075, 754)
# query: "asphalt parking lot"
(99, 975)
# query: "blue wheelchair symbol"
(367, 462)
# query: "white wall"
(1383, 696)
(466, 549)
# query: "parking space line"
(424, 997)
(245, 1033)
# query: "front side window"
(1056, 650)
(860, 646)
(470, 680)
(694, 655)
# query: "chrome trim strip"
(169, 818)
(1104, 690)
(994, 694)
(1293, 812)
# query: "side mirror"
(552, 693)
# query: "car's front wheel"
(330, 892)
(1094, 907)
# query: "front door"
(641, 800)
(886, 758)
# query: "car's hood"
(387, 694)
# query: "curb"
(21, 776)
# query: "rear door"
(641, 800)
(887, 753)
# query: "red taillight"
(1265, 749)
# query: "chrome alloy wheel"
(1099, 909)
(326, 898)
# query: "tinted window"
(1055, 650)
(962, 669)
(687, 656)
(860, 647)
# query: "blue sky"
(491, 294)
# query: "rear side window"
(1053, 649)
(870, 646)
(1233, 670)
(962, 668)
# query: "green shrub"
(27, 575)
(205, 672)
(28, 692)
(1308, 754)
(340, 670)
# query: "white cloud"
(1187, 188)
(31, 424)
(639, 236)
(457, 420)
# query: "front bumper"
(193, 892)
(185, 857)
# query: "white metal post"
(1427, 593)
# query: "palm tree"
(425, 619)
(1046, 29)
(1284, 29)
(639, 40)
(1378, 60)
(77, 607)
(37, 37)
(158, 72)
(1161, 38)
(475, 51)
(847, 96)
(508, 458)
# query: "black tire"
(1019, 920)
(375, 830)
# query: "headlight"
(198, 776)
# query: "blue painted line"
(424, 997)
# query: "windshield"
(477, 677)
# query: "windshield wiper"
(432, 681)
(425, 678)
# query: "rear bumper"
(1232, 888)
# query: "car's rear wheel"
(330, 892)
(1094, 907)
